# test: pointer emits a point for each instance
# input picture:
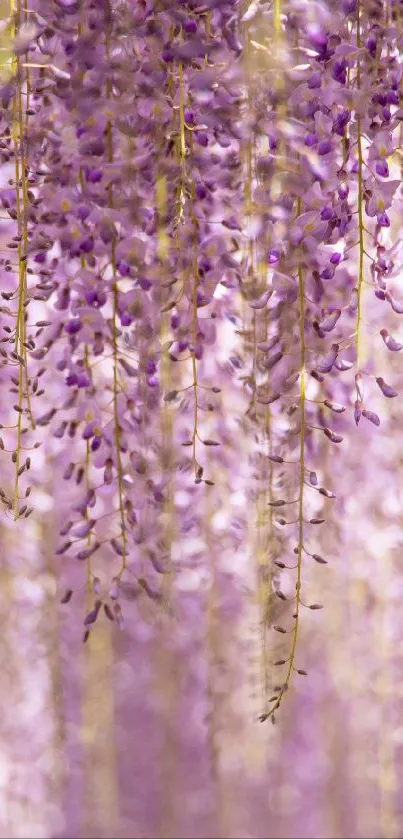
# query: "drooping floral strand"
(115, 291)
(360, 199)
(158, 191)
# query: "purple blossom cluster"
(199, 204)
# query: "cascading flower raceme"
(198, 201)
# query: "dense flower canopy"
(199, 337)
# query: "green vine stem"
(115, 339)
(22, 216)
(360, 206)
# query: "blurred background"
(154, 730)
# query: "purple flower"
(382, 146)
(201, 191)
(83, 380)
(189, 117)
(315, 80)
(190, 25)
(339, 72)
(383, 220)
(392, 97)
(73, 326)
(371, 46)
(341, 121)
(324, 147)
(386, 389)
(123, 268)
(83, 212)
(382, 168)
(93, 176)
(273, 256)
(87, 245)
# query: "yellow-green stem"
(182, 135)
(20, 177)
(277, 17)
(115, 347)
(360, 207)
(291, 661)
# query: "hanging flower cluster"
(198, 203)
